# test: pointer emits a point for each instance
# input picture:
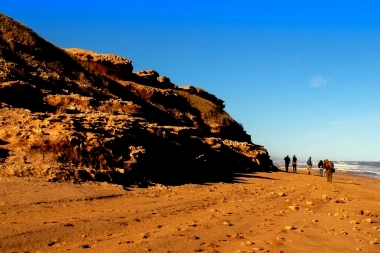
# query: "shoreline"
(316, 172)
(259, 212)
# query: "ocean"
(361, 168)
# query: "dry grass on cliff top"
(210, 112)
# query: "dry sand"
(261, 212)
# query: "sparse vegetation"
(210, 112)
(60, 110)
(125, 107)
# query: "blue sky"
(301, 76)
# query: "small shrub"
(60, 110)
(210, 112)
(111, 107)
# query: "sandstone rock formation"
(106, 64)
(77, 115)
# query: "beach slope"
(266, 212)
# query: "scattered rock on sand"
(353, 222)
(227, 223)
(309, 203)
(367, 213)
(295, 208)
(289, 228)
(369, 220)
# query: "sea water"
(362, 168)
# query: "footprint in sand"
(209, 245)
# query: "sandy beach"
(260, 212)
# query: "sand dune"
(261, 212)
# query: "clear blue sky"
(303, 77)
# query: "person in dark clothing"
(321, 166)
(287, 162)
(294, 163)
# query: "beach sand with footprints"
(260, 212)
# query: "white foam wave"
(369, 169)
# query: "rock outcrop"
(74, 115)
(110, 65)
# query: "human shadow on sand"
(240, 177)
(336, 182)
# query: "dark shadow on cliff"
(4, 153)
(180, 160)
(2, 142)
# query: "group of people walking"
(326, 165)
(294, 163)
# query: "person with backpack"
(294, 163)
(321, 166)
(329, 166)
(287, 161)
(309, 164)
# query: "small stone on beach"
(226, 223)
(294, 207)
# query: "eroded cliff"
(73, 114)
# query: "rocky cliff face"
(72, 114)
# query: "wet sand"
(260, 212)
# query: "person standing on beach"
(287, 161)
(329, 166)
(320, 166)
(309, 164)
(328, 170)
(294, 163)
